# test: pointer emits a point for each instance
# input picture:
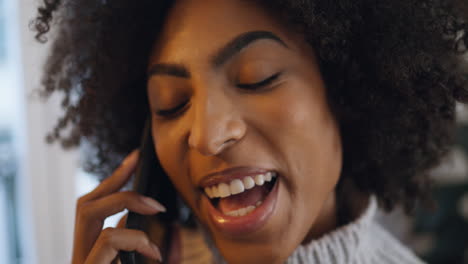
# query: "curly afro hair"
(394, 71)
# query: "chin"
(245, 227)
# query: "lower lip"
(241, 225)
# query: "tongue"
(249, 197)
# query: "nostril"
(225, 145)
(228, 143)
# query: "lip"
(242, 225)
(227, 175)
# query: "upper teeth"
(237, 186)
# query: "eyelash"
(255, 86)
(171, 112)
(168, 113)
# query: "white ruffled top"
(362, 241)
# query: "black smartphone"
(151, 180)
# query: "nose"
(217, 124)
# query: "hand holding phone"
(145, 170)
(94, 245)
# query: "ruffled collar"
(341, 245)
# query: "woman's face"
(232, 89)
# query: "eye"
(172, 112)
(255, 86)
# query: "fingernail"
(153, 204)
(158, 253)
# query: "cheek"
(307, 135)
(177, 172)
(169, 145)
(172, 162)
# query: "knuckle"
(107, 235)
(144, 239)
(80, 201)
(83, 210)
(129, 193)
(127, 196)
(135, 197)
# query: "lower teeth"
(248, 209)
(243, 211)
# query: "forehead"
(194, 29)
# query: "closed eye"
(254, 86)
(171, 111)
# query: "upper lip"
(230, 174)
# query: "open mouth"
(244, 204)
(241, 196)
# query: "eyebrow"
(220, 57)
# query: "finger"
(111, 240)
(117, 180)
(90, 216)
(109, 205)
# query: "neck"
(338, 210)
(326, 222)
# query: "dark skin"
(94, 245)
(393, 71)
(225, 125)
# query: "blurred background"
(40, 183)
